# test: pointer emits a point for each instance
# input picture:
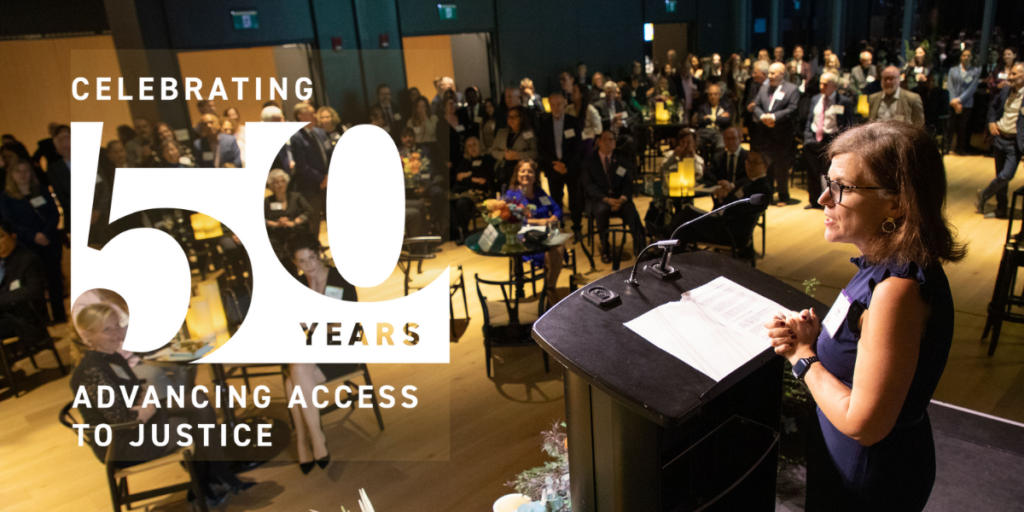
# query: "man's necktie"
(732, 167)
(820, 132)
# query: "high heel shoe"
(324, 461)
(306, 467)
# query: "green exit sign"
(245, 20)
(448, 11)
(670, 5)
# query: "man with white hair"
(775, 108)
(829, 114)
(893, 102)
(284, 160)
(865, 73)
(1006, 125)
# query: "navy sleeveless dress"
(896, 473)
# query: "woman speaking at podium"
(889, 331)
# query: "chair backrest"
(508, 293)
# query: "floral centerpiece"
(508, 217)
(413, 165)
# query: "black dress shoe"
(306, 467)
(606, 256)
(979, 203)
(324, 461)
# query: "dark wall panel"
(208, 24)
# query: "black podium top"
(594, 343)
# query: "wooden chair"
(733, 237)
(355, 370)
(414, 252)
(117, 477)
(506, 324)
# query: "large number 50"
(365, 215)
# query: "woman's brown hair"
(11, 187)
(513, 184)
(906, 162)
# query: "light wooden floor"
(471, 434)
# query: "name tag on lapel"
(207, 155)
(334, 292)
(620, 172)
(837, 315)
(545, 200)
(569, 133)
(37, 201)
(276, 206)
(527, 135)
(476, 163)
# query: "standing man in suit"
(311, 151)
(864, 74)
(1006, 125)
(961, 83)
(392, 119)
(711, 118)
(558, 149)
(829, 115)
(776, 108)
(758, 77)
(471, 114)
(727, 166)
(804, 69)
(608, 180)
(216, 149)
(893, 102)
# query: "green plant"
(811, 286)
(551, 479)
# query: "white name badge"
(899, 117)
(527, 135)
(334, 292)
(587, 135)
(15, 285)
(488, 237)
(277, 206)
(779, 94)
(478, 119)
(1002, 76)
(121, 374)
(328, 144)
(837, 314)
(869, 79)
(968, 78)
(477, 163)
(570, 133)
(918, 70)
(838, 109)
(620, 172)
(207, 155)
(602, 95)
(459, 128)
(185, 161)
(398, 117)
(37, 201)
(545, 200)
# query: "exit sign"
(245, 20)
(670, 5)
(448, 11)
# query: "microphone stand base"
(665, 273)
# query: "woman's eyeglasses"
(835, 189)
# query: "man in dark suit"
(804, 69)
(616, 118)
(558, 149)
(393, 122)
(608, 180)
(216, 149)
(311, 151)
(727, 166)
(828, 116)
(758, 77)
(22, 290)
(775, 108)
(471, 114)
(1006, 124)
(46, 148)
(711, 118)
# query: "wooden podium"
(647, 432)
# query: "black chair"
(15, 349)
(733, 235)
(117, 477)
(1004, 298)
(354, 370)
(506, 324)
(414, 252)
(762, 222)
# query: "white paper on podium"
(715, 328)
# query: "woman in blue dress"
(889, 331)
(524, 188)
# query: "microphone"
(665, 271)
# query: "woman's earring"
(889, 225)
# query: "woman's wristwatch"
(801, 367)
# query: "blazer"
(571, 146)
(784, 110)
(58, 173)
(995, 113)
(226, 145)
(908, 105)
(28, 219)
(860, 77)
(310, 163)
(724, 107)
(393, 124)
(844, 120)
(719, 167)
(606, 115)
(806, 71)
(596, 184)
(961, 84)
(746, 188)
(525, 144)
(469, 117)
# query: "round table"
(241, 458)
(515, 258)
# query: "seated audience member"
(101, 332)
(513, 143)
(893, 102)
(140, 148)
(738, 221)
(728, 165)
(170, 155)
(828, 115)
(311, 152)
(34, 216)
(22, 289)
(686, 147)
(662, 208)
(165, 134)
(209, 107)
(213, 148)
(330, 123)
(324, 279)
(525, 189)
(472, 182)
(864, 74)
(471, 115)
(608, 180)
(231, 128)
(423, 122)
(488, 125)
(286, 213)
(711, 118)
(389, 114)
